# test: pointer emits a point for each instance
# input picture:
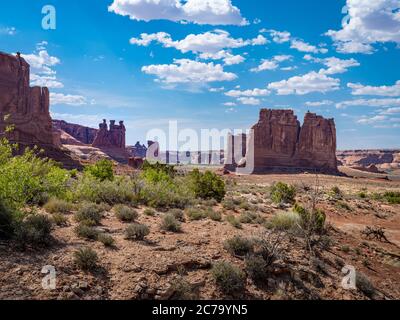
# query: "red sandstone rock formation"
(83, 134)
(26, 108)
(113, 138)
(279, 142)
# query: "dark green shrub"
(106, 240)
(86, 259)
(125, 213)
(6, 222)
(170, 223)
(207, 185)
(137, 232)
(101, 170)
(256, 268)
(58, 206)
(392, 197)
(229, 279)
(34, 230)
(89, 212)
(365, 285)
(311, 220)
(86, 232)
(157, 172)
(239, 246)
(283, 193)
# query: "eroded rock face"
(83, 134)
(278, 142)
(110, 138)
(26, 108)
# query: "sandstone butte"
(278, 142)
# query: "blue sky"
(215, 66)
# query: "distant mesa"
(279, 143)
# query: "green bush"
(207, 185)
(85, 231)
(239, 246)
(89, 212)
(229, 279)
(392, 197)
(214, 215)
(315, 220)
(336, 193)
(365, 285)
(229, 204)
(86, 259)
(59, 219)
(284, 221)
(157, 172)
(196, 214)
(256, 268)
(283, 193)
(58, 206)
(183, 290)
(106, 240)
(251, 218)
(137, 232)
(125, 213)
(234, 222)
(178, 214)
(34, 230)
(6, 222)
(170, 223)
(101, 170)
(149, 212)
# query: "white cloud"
(334, 65)
(388, 103)
(42, 64)
(384, 91)
(228, 58)
(9, 31)
(303, 46)
(391, 111)
(272, 64)
(372, 120)
(230, 104)
(308, 83)
(248, 93)
(279, 36)
(249, 101)
(67, 99)
(217, 89)
(212, 12)
(189, 71)
(209, 44)
(319, 103)
(369, 22)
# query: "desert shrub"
(183, 290)
(6, 222)
(29, 179)
(256, 268)
(314, 221)
(59, 219)
(283, 193)
(336, 193)
(239, 246)
(125, 213)
(86, 259)
(214, 215)
(34, 230)
(136, 232)
(105, 239)
(170, 223)
(251, 218)
(364, 285)
(101, 170)
(345, 248)
(343, 205)
(55, 205)
(119, 191)
(149, 212)
(89, 212)
(178, 214)
(207, 185)
(362, 195)
(234, 222)
(284, 221)
(195, 214)
(230, 279)
(157, 172)
(392, 197)
(85, 231)
(229, 204)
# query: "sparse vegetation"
(230, 279)
(86, 259)
(59, 219)
(256, 268)
(106, 240)
(89, 213)
(214, 215)
(137, 232)
(85, 231)
(125, 213)
(285, 220)
(171, 224)
(35, 231)
(239, 246)
(234, 222)
(195, 214)
(55, 205)
(365, 285)
(149, 212)
(283, 193)
(183, 290)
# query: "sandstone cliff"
(26, 108)
(279, 143)
(83, 134)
